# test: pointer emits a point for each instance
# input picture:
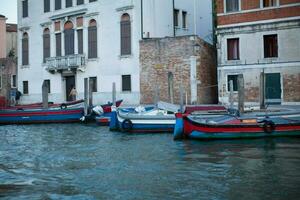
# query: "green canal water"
(82, 162)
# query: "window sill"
(92, 59)
(126, 92)
(25, 66)
(125, 56)
(233, 62)
(271, 59)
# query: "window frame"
(79, 2)
(67, 2)
(184, 19)
(14, 81)
(27, 89)
(124, 38)
(95, 83)
(264, 47)
(25, 12)
(225, 7)
(49, 85)
(262, 4)
(47, 3)
(176, 17)
(92, 39)
(25, 38)
(122, 82)
(57, 5)
(228, 49)
(46, 47)
(235, 82)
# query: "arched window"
(25, 49)
(69, 38)
(125, 35)
(92, 51)
(46, 44)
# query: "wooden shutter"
(92, 51)
(270, 46)
(25, 52)
(25, 8)
(233, 51)
(80, 41)
(46, 5)
(126, 83)
(125, 38)
(58, 44)
(57, 4)
(69, 42)
(46, 46)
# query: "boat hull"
(205, 131)
(41, 116)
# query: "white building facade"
(66, 41)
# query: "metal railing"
(65, 62)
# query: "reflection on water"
(88, 162)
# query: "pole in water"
(241, 93)
(90, 93)
(45, 89)
(86, 94)
(231, 93)
(114, 93)
(181, 98)
(262, 90)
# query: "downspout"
(142, 20)
(174, 30)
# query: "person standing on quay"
(73, 94)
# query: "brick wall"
(160, 57)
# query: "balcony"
(70, 62)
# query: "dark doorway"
(273, 88)
(70, 83)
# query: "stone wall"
(165, 59)
(8, 68)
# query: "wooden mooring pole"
(231, 100)
(262, 91)
(114, 93)
(90, 93)
(241, 93)
(45, 89)
(86, 94)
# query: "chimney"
(2, 36)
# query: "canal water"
(88, 162)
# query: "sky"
(8, 8)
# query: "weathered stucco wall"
(166, 59)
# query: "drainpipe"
(142, 20)
(174, 30)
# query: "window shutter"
(92, 51)
(125, 38)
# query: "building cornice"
(25, 28)
(121, 9)
(278, 24)
(69, 14)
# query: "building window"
(69, 38)
(46, 6)
(126, 83)
(233, 50)
(25, 87)
(270, 46)
(14, 81)
(92, 37)
(92, 1)
(176, 18)
(25, 50)
(269, 3)
(232, 5)
(93, 83)
(69, 3)
(48, 85)
(58, 44)
(57, 4)
(234, 79)
(125, 34)
(25, 8)
(80, 2)
(80, 41)
(184, 19)
(46, 44)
